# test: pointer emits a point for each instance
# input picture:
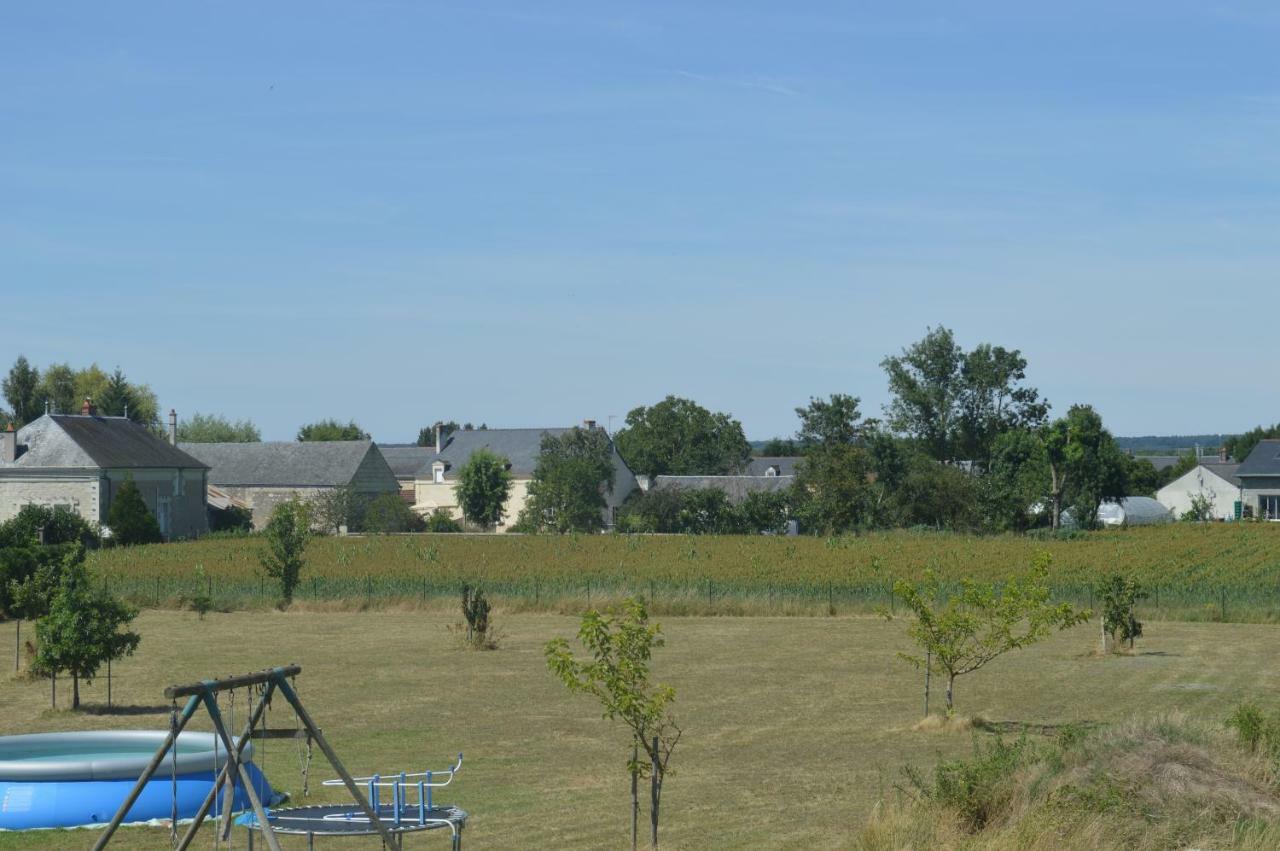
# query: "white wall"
(1176, 496)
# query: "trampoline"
(412, 809)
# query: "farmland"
(1195, 572)
(794, 727)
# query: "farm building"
(1215, 480)
(437, 480)
(405, 460)
(263, 475)
(772, 465)
(80, 461)
(1259, 476)
(1130, 511)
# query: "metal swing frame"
(204, 694)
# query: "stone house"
(263, 475)
(437, 480)
(1259, 476)
(80, 461)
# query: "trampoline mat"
(348, 820)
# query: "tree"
(338, 509)
(679, 437)
(778, 447)
(389, 514)
(20, 388)
(484, 483)
(84, 628)
(1016, 480)
(833, 483)
(129, 519)
(117, 398)
(287, 534)
(1119, 596)
(961, 632)
(1086, 466)
(42, 524)
(830, 422)
(331, 430)
(955, 404)
(58, 389)
(620, 646)
(1239, 446)
(572, 476)
(213, 428)
(441, 521)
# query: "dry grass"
(795, 727)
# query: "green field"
(1194, 572)
(794, 727)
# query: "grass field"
(1195, 572)
(794, 727)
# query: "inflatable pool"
(78, 779)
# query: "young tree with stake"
(620, 644)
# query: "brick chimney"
(173, 427)
(87, 409)
(8, 445)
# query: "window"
(437, 473)
(177, 483)
(1269, 506)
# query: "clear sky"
(528, 213)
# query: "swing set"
(369, 816)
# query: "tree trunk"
(1102, 620)
(655, 793)
(635, 794)
(951, 684)
(75, 691)
(928, 671)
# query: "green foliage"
(20, 389)
(1119, 596)
(778, 447)
(129, 519)
(679, 437)
(214, 428)
(1016, 479)
(1200, 509)
(475, 610)
(389, 514)
(962, 632)
(936, 495)
(231, 520)
(201, 601)
(620, 645)
(427, 435)
(977, 789)
(58, 388)
(704, 511)
(441, 520)
(337, 508)
(84, 627)
(830, 422)
(286, 534)
(331, 430)
(29, 576)
(484, 483)
(60, 524)
(1086, 466)
(1239, 446)
(834, 492)
(1254, 728)
(573, 474)
(119, 397)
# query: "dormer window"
(772, 471)
(437, 472)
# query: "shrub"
(388, 514)
(977, 789)
(442, 521)
(286, 534)
(1119, 596)
(129, 519)
(233, 519)
(61, 525)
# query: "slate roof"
(406, 459)
(520, 446)
(325, 463)
(1264, 460)
(106, 443)
(1225, 471)
(786, 465)
(736, 487)
(1160, 462)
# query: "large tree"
(955, 405)
(21, 389)
(833, 490)
(484, 483)
(213, 428)
(58, 388)
(1240, 445)
(573, 474)
(331, 430)
(1086, 467)
(679, 437)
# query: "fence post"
(157, 592)
(1223, 596)
(709, 601)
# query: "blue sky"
(532, 213)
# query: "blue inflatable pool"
(77, 779)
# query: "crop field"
(1194, 572)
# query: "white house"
(1214, 479)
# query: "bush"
(977, 789)
(442, 521)
(233, 519)
(18, 565)
(129, 519)
(61, 525)
(388, 514)
(287, 534)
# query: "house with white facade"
(1259, 476)
(1213, 479)
(80, 461)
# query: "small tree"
(388, 514)
(1200, 509)
(215, 428)
(962, 632)
(331, 430)
(1119, 596)
(484, 483)
(83, 629)
(287, 534)
(130, 520)
(620, 645)
(441, 520)
(336, 509)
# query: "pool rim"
(199, 755)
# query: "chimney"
(173, 427)
(589, 424)
(86, 410)
(439, 432)
(8, 445)
(1222, 454)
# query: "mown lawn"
(794, 727)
